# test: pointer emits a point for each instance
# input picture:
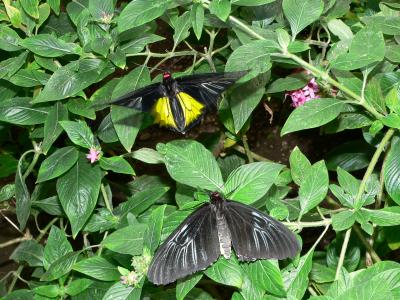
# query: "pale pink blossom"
(301, 96)
(94, 155)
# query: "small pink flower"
(301, 96)
(94, 155)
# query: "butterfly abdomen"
(224, 235)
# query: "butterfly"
(211, 231)
(179, 104)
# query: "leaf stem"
(300, 225)
(106, 199)
(367, 245)
(358, 203)
(343, 253)
(247, 148)
(253, 154)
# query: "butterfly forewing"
(142, 99)
(207, 88)
(192, 247)
(256, 235)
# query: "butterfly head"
(167, 76)
(216, 198)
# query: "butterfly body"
(213, 230)
(179, 104)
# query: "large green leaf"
(49, 46)
(31, 7)
(388, 216)
(152, 235)
(139, 12)
(52, 129)
(314, 187)
(127, 123)
(250, 182)
(392, 172)
(30, 252)
(190, 163)
(297, 280)
(220, 8)
(253, 56)
(20, 111)
(58, 163)
(97, 267)
(299, 166)
(184, 286)
(78, 190)
(79, 133)
(60, 267)
(313, 113)
(121, 291)
(127, 240)
(301, 13)
(182, 27)
(9, 39)
(56, 246)
(226, 271)
(22, 195)
(116, 164)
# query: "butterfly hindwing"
(256, 235)
(206, 88)
(192, 247)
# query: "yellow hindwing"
(162, 113)
(192, 108)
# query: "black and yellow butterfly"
(179, 104)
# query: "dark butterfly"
(211, 230)
(179, 104)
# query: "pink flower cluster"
(93, 155)
(301, 96)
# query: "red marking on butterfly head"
(166, 75)
(216, 198)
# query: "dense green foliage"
(100, 221)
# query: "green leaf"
(122, 292)
(251, 2)
(116, 164)
(29, 78)
(9, 39)
(50, 291)
(102, 10)
(137, 45)
(312, 114)
(220, 8)
(266, 275)
(31, 7)
(297, 280)
(148, 155)
(343, 220)
(340, 29)
(55, 6)
(7, 191)
(97, 267)
(81, 107)
(391, 171)
(50, 205)
(348, 182)
(388, 216)
(314, 187)
(245, 98)
(299, 166)
(139, 12)
(393, 53)
(79, 133)
(78, 190)
(190, 163)
(127, 240)
(137, 78)
(152, 234)
(361, 54)
(9, 67)
(57, 163)
(253, 56)
(60, 267)
(56, 247)
(106, 131)
(52, 129)
(20, 111)
(30, 252)
(143, 199)
(250, 182)
(391, 120)
(77, 286)
(392, 100)
(184, 286)
(388, 25)
(22, 196)
(127, 123)
(49, 46)
(182, 26)
(197, 18)
(351, 156)
(301, 13)
(227, 272)
(289, 83)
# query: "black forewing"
(192, 247)
(207, 87)
(142, 99)
(256, 235)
